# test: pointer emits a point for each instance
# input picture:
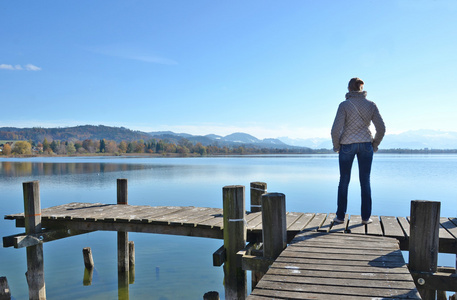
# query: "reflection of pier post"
(32, 215)
(122, 246)
(234, 241)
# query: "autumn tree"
(123, 147)
(139, 147)
(22, 147)
(7, 149)
(110, 147)
(46, 146)
(70, 148)
(200, 149)
(89, 146)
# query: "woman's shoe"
(338, 221)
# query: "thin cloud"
(132, 53)
(31, 67)
(28, 67)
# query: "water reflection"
(22, 169)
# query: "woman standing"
(351, 136)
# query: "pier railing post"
(274, 226)
(35, 265)
(424, 242)
(122, 245)
(257, 190)
(234, 240)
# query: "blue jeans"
(364, 152)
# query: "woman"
(351, 136)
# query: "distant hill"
(80, 133)
(119, 134)
(417, 139)
(231, 140)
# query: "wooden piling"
(122, 193)
(35, 265)
(274, 227)
(122, 246)
(211, 296)
(88, 260)
(234, 240)
(5, 293)
(122, 236)
(257, 190)
(424, 242)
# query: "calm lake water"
(172, 267)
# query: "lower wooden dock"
(319, 265)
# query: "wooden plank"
(191, 217)
(330, 288)
(268, 294)
(365, 280)
(292, 217)
(363, 249)
(355, 225)
(449, 226)
(327, 224)
(375, 227)
(301, 222)
(217, 222)
(316, 222)
(335, 227)
(254, 220)
(199, 231)
(404, 223)
(392, 227)
(453, 220)
(284, 263)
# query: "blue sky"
(267, 68)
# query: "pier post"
(5, 293)
(424, 242)
(35, 265)
(257, 190)
(274, 226)
(234, 240)
(88, 260)
(213, 295)
(122, 246)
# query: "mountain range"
(231, 140)
(415, 139)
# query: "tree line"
(88, 146)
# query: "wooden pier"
(208, 222)
(346, 261)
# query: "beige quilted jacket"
(353, 120)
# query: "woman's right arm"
(337, 128)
